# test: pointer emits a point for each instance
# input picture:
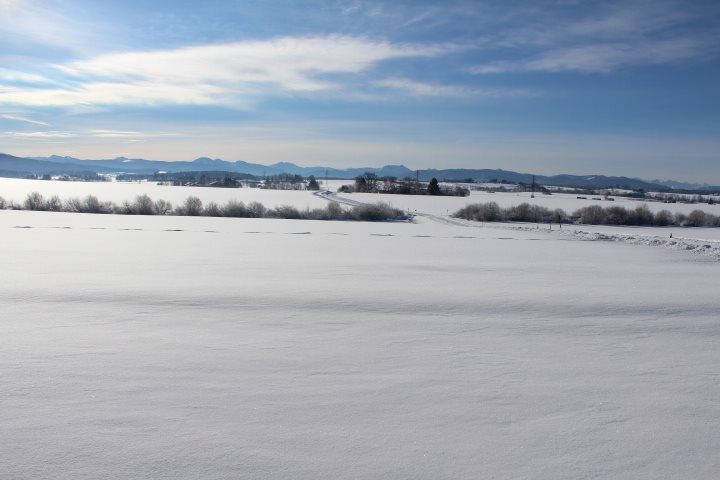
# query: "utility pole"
(532, 195)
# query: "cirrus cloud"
(231, 74)
(22, 118)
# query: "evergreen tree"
(313, 183)
(434, 187)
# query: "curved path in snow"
(699, 246)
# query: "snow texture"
(568, 202)
(118, 192)
(183, 348)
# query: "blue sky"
(625, 88)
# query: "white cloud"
(20, 118)
(139, 93)
(86, 134)
(609, 37)
(114, 133)
(421, 89)
(231, 74)
(25, 77)
(50, 134)
(414, 88)
(496, 67)
(351, 7)
(9, 4)
(54, 26)
(608, 57)
(601, 58)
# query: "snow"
(568, 202)
(216, 348)
(701, 241)
(506, 186)
(18, 189)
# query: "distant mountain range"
(11, 166)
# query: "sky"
(557, 86)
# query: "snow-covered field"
(568, 202)
(18, 189)
(215, 348)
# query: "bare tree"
(35, 201)
(192, 207)
(163, 207)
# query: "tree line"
(370, 183)
(193, 206)
(591, 215)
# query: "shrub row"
(193, 206)
(492, 212)
(592, 215)
(642, 216)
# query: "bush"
(235, 209)
(35, 201)
(93, 205)
(663, 218)
(162, 207)
(592, 215)
(73, 205)
(54, 204)
(125, 208)
(696, 218)
(642, 216)
(212, 209)
(376, 213)
(335, 211)
(460, 191)
(285, 211)
(559, 216)
(89, 204)
(481, 212)
(616, 216)
(192, 207)
(143, 205)
(256, 210)
(530, 213)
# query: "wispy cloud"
(10, 4)
(99, 93)
(350, 7)
(231, 74)
(610, 56)
(15, 76)
(606, 38)
(102, 133)
(114, 133)
(41, 29)
(415, 88)
(421, 89)
(48, 134)
(602, 57)
(20, 118)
